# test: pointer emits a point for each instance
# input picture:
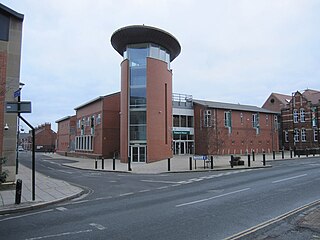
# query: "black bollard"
(253, 156)
(18, 191)
(264, 158)
(231, 161)
(249, 164)
(273, 155)
(211, 158)
(282, 152)
(190, 163)
(168, 164)
(102, 163)
(129, 164)
(113, 163)
(290, 153)
(96, 164)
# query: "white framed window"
(227, 119)
(207, 118)
(295, 116)
(315, 135)
(98, 120)
(255, 120)
(302, 115)
(296, 135)
(286, 136)
(303, 135)
(84, 143)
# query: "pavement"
(49, 190)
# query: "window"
(303, 135)
(302, 115)
(207, 118)
(295, 116)
(183, 121)
(98, 120)
(176, 121)
(84, 143)
(296, 135)
(286, 136)
(227, 119)
(255, 120)
(315, 135)
(190, 122)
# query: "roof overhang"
(144, 34)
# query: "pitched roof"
(285, 99)
(312, 95)
(232, 106)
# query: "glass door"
(138, 153)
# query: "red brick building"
(66, 135)
(224, 128)
(98, 127)
(300, 122)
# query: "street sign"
(13, 107)
(200, 157)
(17, 93)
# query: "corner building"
(146, 92)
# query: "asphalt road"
(208, 205)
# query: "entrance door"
(138, 153)
(179, 148)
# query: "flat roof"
(11, 12)
(145, 34)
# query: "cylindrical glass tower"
(146, 90)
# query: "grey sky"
(236, 51)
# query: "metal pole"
(264, 158)
(33, 165)
(190, 163)
(253, 156)
(231, 161)
(113, 163)
(102, 163)
(168, 164)
(274, 155)
(211, 162)
(95, 164)
(249, 164)
(33, 157)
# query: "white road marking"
(207, 199)
(97, 226)
(59, 235)
(25, 215)
(290, 178)
(62, 209)
(156, 181)
(145, 190)
(164, 187)
(126, 194)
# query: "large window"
(296, 135)
(84, 143)
(303, 135)
(227, 119)
(207, 118)
(295, 116)
(302, 115)
(286, 136)
(315, 135)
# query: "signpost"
(200, 157)
(25, 107)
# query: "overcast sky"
(236, 51)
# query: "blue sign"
(200, 157)
(17, 93)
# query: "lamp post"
(18, 95)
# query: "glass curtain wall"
(137, 55)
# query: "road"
(207, 205)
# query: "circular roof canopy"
(144, 34)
